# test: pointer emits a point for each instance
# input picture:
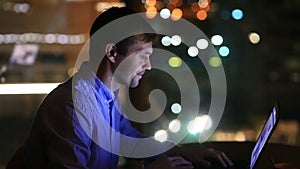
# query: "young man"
(79, 124)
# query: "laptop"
(260, 144)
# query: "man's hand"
(170, 162)
(203, 156)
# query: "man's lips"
(140, 74)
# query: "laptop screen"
(264, 136)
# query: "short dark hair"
(112, 14)
(109, 15)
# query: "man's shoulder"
(62, 94)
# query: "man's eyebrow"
(148, 52)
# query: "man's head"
(128, 57)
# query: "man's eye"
(143, 55)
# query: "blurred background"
(257, 42)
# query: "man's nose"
(147, 64)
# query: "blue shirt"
(75, 125)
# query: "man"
(80, 124)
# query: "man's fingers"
(173, 158)
(219, 157)
(184, 167)
(205, 163)
(226, 159)
(180, 161)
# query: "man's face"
(131, 67)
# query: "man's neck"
(105, 74)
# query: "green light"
(175, 61)
(215, 61)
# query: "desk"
(242, 150)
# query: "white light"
(174, 125)
(161, 135)
(193, 51)
(165, 13)
(176, 108)
(50, 38)
(176, 40)
(62, 39)
(42, 38)
(75, 39)
(17, 8)
(166, 41)
(202, 44)
(27, 88)
(240, 136)
(217, 40)
(199, 124)
(15, 37)
(8, 38)
(254, 37)
(24, 8)
(3, 69)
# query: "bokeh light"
(215, 61)
(203, 3)
(161, 135)
(165, 13)
(202, 43)
(254, 38)
(201, 15)
(50, 38)
(175, 125)
(159, 5)
(166, 41)
(224, 51)
(176, 14)
(240, 136)
(237, 14)
(176, 40)
(225, 14)
(193, 51)
(175, 62)
(217, 40)
(150, 3)
(195, 7)
(199, 124)
(62, 39)
(151, 12)
(176, 108)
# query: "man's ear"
(110, 52)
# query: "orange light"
(195, 7)
(201, 15)
(151, 3)
(171, 6)
(176, 14)
(159, 5)
(151, 12)
(179, 3)
(174, 2)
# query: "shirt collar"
(87, 74)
